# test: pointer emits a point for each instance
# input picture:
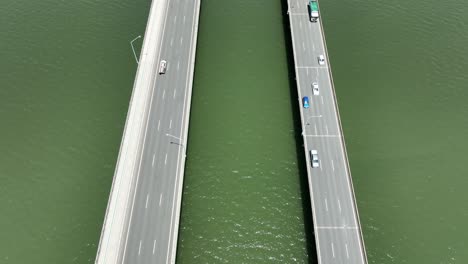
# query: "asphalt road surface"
(153, 226)
(336, 222)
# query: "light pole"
(180, 144)
(169, 135)
(131, 44)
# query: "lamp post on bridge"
(180, 144)
(133, 49)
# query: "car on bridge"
(321, 60)
(162, 67)
(305, 102)
(315, 88)
(314, 158)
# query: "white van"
(162, 67)
(321, 60)
(314, 158)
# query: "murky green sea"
(400, 70)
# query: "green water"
(400, 70)
(67, 73)
(242, 201)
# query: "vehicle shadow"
(301, 163)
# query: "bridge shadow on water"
(301, 163)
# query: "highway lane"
(152, 229)
(336, 225)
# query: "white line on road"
(303, 45)
(172, 40)
(333, 165)
(322, 135)
(181, 39)
(175, 90)
(336, 227)
(307, 71)
(154, 246)
(326, 204)
(152, 163)
(313, 46)
(175, 19)
(315, 129)
(347, 252)
(333, 250)
(178, 64)
(147, 197)
(321, 97)
(170, 124)
(139, 248)
(159, 123)
(184, 19)
(164, 93)
(160, 199)
(312, 67)
(326, 129)
(339, 205)
(300, 23)
(165, 160)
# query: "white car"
(162, 67)
(315, 88)
(314, 158)
(321, 60)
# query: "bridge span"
(142, 219)
(337, 228)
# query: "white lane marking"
(165, 160)
(172, 40)
(160, 199)
(333, 250)
(321, 97)
(315, 129)
(339, 205)
(164, 93)
(170, 124)
(313, 46)
(184, 19)
(175, 90)
(181, 39)
(303, 45)
(326, 204)
(152, 163)
(147, 197)
(307, 71)
(159, 123)
(322, 135)
(175, 19)
(336, 227)
(300, 23)
(333, 165)
(312, 67)
(326, 129)
(139, 248)
(178, 64)
(347, 252)
(154, 246)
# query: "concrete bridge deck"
(142, 218)
(336, 220)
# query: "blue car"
(305, 101)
